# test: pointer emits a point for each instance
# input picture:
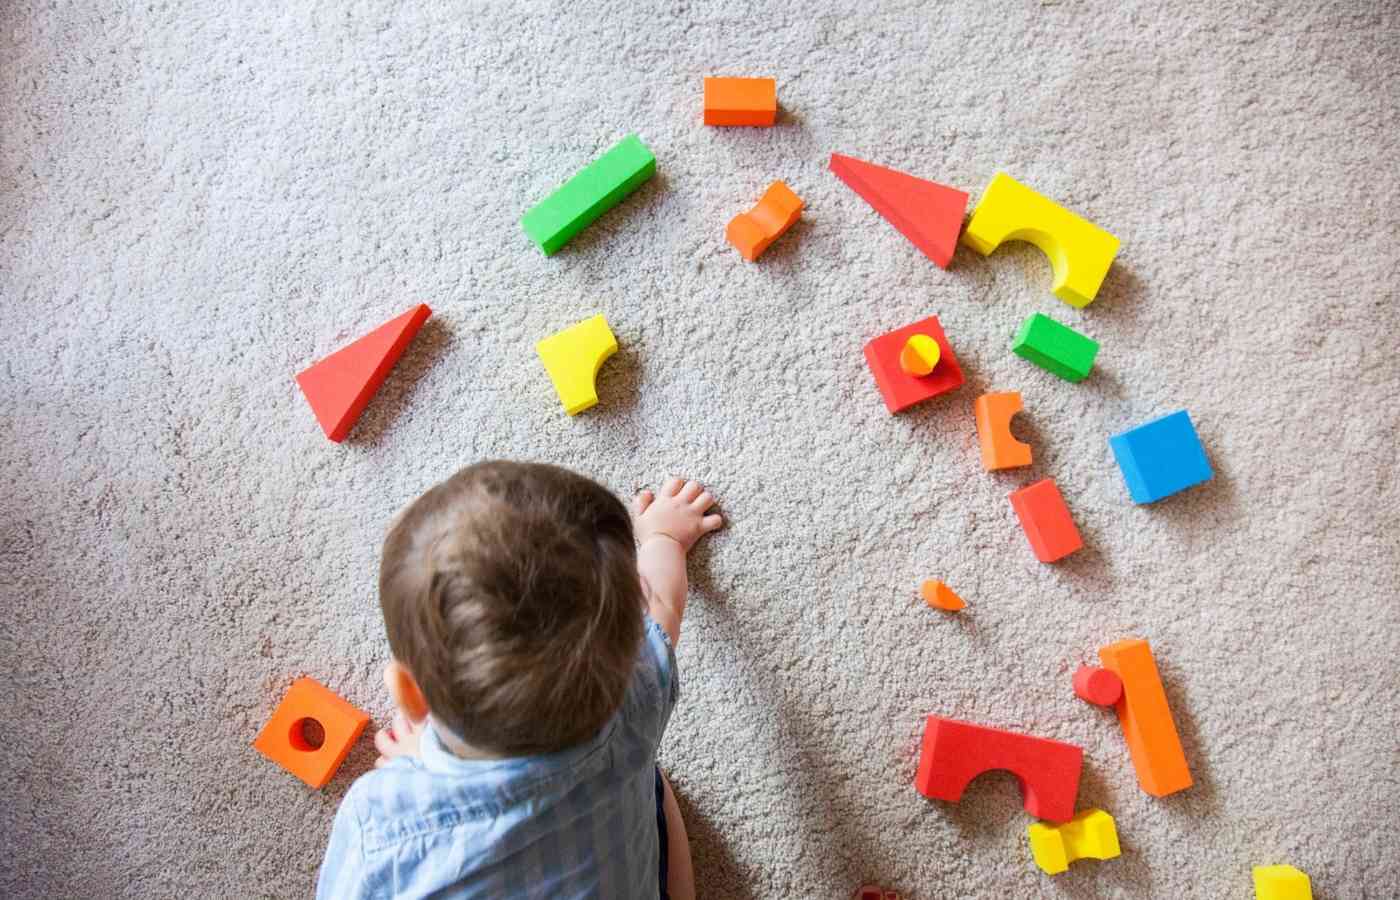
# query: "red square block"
(1046, 521)
(899, 388)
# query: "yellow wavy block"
(572, 358)
(1281, 883)
(1090, 835)
(1080, 252)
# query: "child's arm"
(667, 525)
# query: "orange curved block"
(1146, 719)
(940, 596)
(753, 231)
(999, 449)
(282, 739)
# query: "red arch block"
(956, 752)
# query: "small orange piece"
(1147, 719)
(999, 449)
(940, 596)
(741, 101)
(753, 231)
(284, 742)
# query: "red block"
(955, 752)
(926, 212)
(899, 388)
(341, 385)
(1046, 521)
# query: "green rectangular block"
(1055, 348)
(555, 220)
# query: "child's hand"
(399, 739)
(678, 512)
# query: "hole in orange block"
(307, 734)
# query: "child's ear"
(405, 691)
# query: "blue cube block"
(1161, 458)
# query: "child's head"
(510, 593)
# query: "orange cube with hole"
(283, 740)
(999, 449)
(741, 101)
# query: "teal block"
(603, 184)
(1055, 348)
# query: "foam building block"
(1146, 719)
(572, 358)
(1056, 348)
(282, 739)
(752, 232)
(1046, 520)
(1091, 834)
(873, 892)
(920, 355)
(899, 388)
(339, 387)
(602, 184)
(1097, 686)
(1161, 458)
(939, 596)
(1281, 883)
(741, 101)
(999, 449)
(954, 753)
(929, 214)
(1080, 252)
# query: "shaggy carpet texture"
(200, 199)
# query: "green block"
(1055, 348)
(555, 220)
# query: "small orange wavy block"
(753, 231)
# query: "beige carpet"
(198, 199)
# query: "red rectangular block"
(1046, 521)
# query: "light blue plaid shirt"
(578, 823)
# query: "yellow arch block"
(1080, 252)
(1090, 835)
(1281, 883)
(572, 358)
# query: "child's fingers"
(383, 742)
(711, 522)
(642, 501)
(704, 501)
(671, 486)
(691, 490)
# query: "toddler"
(532, 623)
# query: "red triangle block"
(341, 385)
(927, 213)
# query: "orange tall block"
(753, 231)
(1146, 719)
(340, 386)
(1046, 521)
(741, 101)
(282, 740)
(999, 449)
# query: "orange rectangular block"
(1046, 521)
(1147, 719)
(284, 739)
(999, 449)
(741, 101)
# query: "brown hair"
(510, 591)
